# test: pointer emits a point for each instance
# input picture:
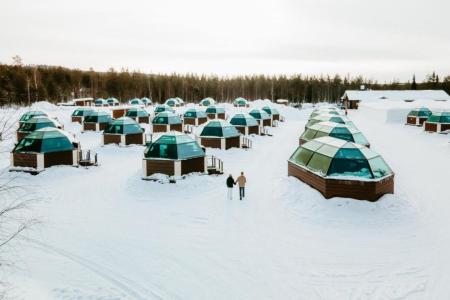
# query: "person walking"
(230, 184)
(241, 181)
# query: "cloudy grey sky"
(379, 39)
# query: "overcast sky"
(379, 39)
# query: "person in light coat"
(241, 181)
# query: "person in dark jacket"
(230, 184)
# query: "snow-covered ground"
(107, 234)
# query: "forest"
(25, 84)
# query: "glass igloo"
(44, 148)
(273, 112)
(172, 102)
(340, 131)
(30, 114)
(167, 121)
(97, 121)
(418, 116)
(207, 102)
(245, 123)
(338, 168)
(34, 124)
(101, 102)
(174, 154)
(136, 102)
(112, 101)
(240, 102)
(194, 116)
(438, 122)
(138, 114)
(79, 114)
(215, 112)
(163, 107)
(263, 118)
(330, 118)
(219, 134)
(124, 131)
(146, 101)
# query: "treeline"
(22, 84)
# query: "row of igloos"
(431, 121)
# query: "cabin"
(44, 148)
(336, 130)
(34, 124)
(195, 117)
(273, 113)
(79, 114)
(219, 134)
(245, 124)
(163, 107)
(97, 121)
(215, 112)
(124, 131)
(113, 101)
(31, 114)
(138, 114)
(338, 168)
(100, 102)
(207, 102)
(167, 121)
(418, 116)
(83, 101)
(263, 118)
(174, 154)
(352, 98)
(282, 101)
(438, 122)
(240, 102)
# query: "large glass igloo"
(338, 168)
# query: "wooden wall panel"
(160, 166)
(25, 160)
(58, 158)
(232, 142)
(193, 165)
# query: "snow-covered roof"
(399, 95)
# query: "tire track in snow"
(131, 288)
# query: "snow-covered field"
(107, 234)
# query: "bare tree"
(15, 198)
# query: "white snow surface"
(107, 234)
